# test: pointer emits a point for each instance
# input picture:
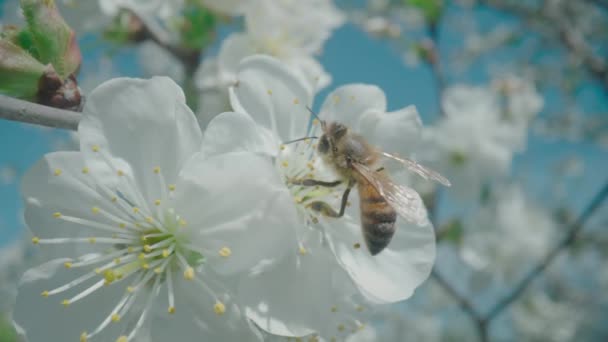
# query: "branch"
(573, 232)
(28, 112)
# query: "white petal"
(143, 122)
(394, 132)
(227, 7)
(394, 274)
(236, 132)
(349, 103)
(312, 71)
(248, 211)
(273, 96)
(234, 49)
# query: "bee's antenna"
(299, 139)
(316, 117)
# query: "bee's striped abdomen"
(377, 218)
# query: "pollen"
(357, 245)
(130, 289)
(359, 308)
(285, 163)
(57, 172)
(92, 240)
(334, 309)
(282, 147)
(341, 327)
(182, 222)
(225, 252)
(149, 219)
(141, 256)
(115, 317)
(158, 270)
(166, 253)
(45, 294)
(315, 122)
(120, 173)
(145, 266)
(171, 310)
(171, 187)
(296, 101)
(95, 148)
(114, 199)
(157, 202)
(219, 308)
(83, 336)
(189, 273)
(130, 249)
(122, 338)
(35, 240)
(85, 170)
(67, 264)
(95, 210)
(269, 92)
(122, 225)
(135, 210)
(57, 215)
(109, 276)
(302, 250)
(157, 169)
(117, 261)
(65, 303)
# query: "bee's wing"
(422, 171)
(406, 201)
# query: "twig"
(28, 112)
(573, 232)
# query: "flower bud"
(19, 71)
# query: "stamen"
(151, 298)
(102, 240)
(170, 293)
(88, 291)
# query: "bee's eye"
(323, 144)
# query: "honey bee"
(381, 200)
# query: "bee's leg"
(380, 169)
(314, 182)
(326, 210)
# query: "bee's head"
(333, 132)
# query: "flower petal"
(393, 274)
(348, 104)
(248, 212)
(124, 117)
(273, 96)
(394, 132)
(236, 132)
(234, 49)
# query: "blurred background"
(514, 99)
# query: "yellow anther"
(122, 338)
(92, 240)
(357, 245)
(115, 317)
(189, 273)
(57, 215)
(157, 202)
(95, 210)
(95, 148)
(149, 219)
(83, 336)
(285, 163)
(166, 253)
(120, 172)
(130, 249)
(171, 309)
(57, 172)
(269, 92)
(333, 339)
(114, 199)
(219, 308)
(85, 170)
(98, 270)
(225, 252)
(135, 210)
(67, 264)
(336, 99)
(141, 256)
(145, 266)
(341, 327)
(315, 122)
(302, 250)
(171, 187)
(310, 166)
(298, 199)
(359, 308)
(334, 309)
(282, 147)
(143, 238)
(182, 222)
(157, 169)
(158, 270)
(65, 303)
(296, 101)
(315, 220)
(45, 294)
(35, 240)
(122, 225)
(109, 276)
(130, 289)
(117, 261)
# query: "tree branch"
(28, 112)
(573, 232)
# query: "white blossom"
(139, 225)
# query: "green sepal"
(197, 26)
(20, 73)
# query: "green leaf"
(452, 231)
(20, 73)
(7, 331)
(53, 39)
(197, 26)
(431, 9)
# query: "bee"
(358, 163)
